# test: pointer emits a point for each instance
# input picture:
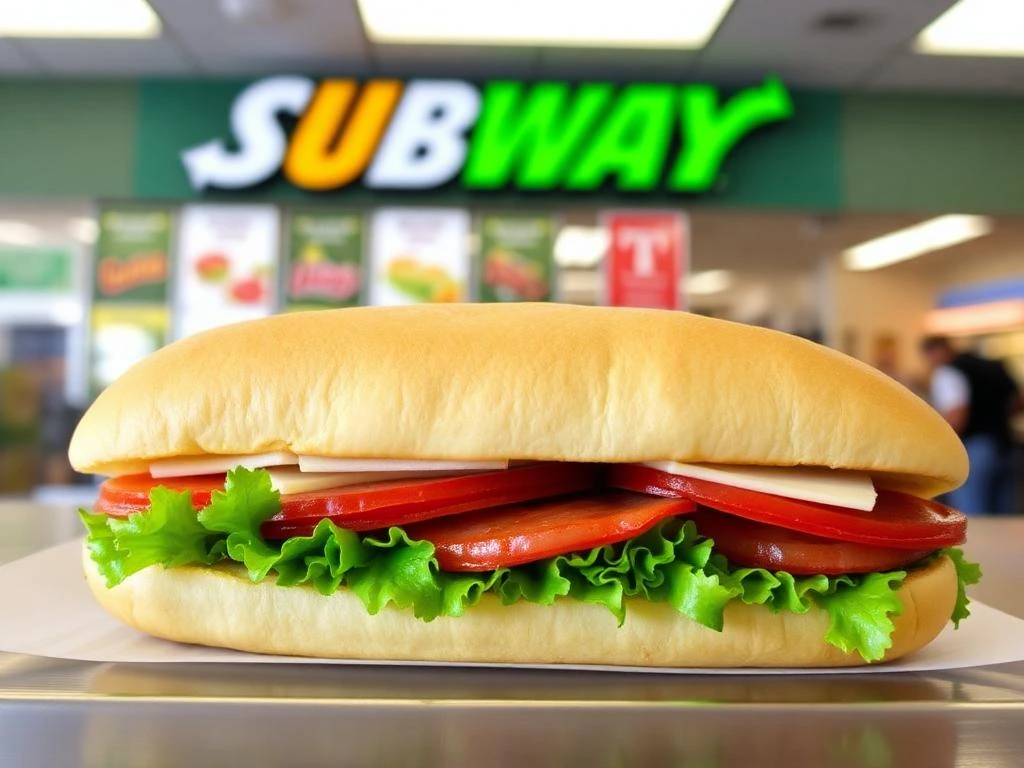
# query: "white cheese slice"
(208, 465)
(289, 480)
(332, 464)
(838, 487)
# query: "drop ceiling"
(326, 37)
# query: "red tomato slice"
(745, 542)
(524, 533)
(898, 520)
(121, 496)
(374, 505)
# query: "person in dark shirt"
(978, 398)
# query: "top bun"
(517, 381)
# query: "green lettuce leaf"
(967, 573)
(167, 534)
(321, 559)
(671, 563)
(859, 609)
(102, 546)
(247, 501)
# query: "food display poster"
(515, 257)
(121, 335)
(324, 260)
(131, 262)
(647, 258)
(419, 255)
(129, 315)
(226, 265)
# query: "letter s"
(261, 139)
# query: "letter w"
(529, 136)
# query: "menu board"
(123, 334)
(325, 256)
(646, 258)
(515, 257)
(131, 264)
(226, 265)
(419, 255)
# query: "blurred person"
(978, 397)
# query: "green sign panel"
(515, 257)
(132, 256)
(325, 254)
(35, 269)
(759, 145)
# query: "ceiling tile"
(107, 57)
(912, 71)
(781, 36)
(616, 64)
(311, 36)
(12, 60)
(471, 62)
(326, 37)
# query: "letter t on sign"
(646, 258)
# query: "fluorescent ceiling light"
(19, 233)
(976, 28)
(904, 244)
(598, 23)
(706, 283)
(78, 18)
(580, 246)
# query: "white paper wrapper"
(47, 610)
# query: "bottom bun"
(220, 606)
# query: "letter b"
(425, 145)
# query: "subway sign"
(424, 134)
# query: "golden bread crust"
(525, 381)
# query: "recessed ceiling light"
(975, 28)
(904, 244)
(78, 18)
(844, 21)
(254, 11)
(19, 233)
(601, 23)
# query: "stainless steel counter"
(58, 713)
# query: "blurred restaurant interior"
(117, 234)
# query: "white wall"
(965, 272)
(868, 305)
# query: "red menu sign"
(646, 258)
